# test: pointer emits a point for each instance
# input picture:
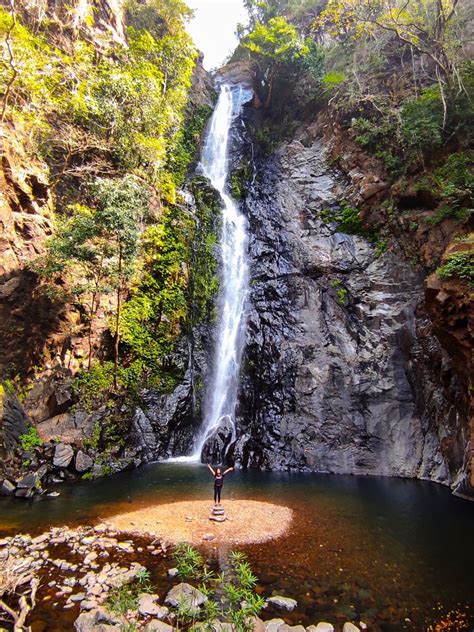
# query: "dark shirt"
(218, 480)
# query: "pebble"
(147, 605)
(208, 537)
(96, 590)
(273, 624)
(77, 597)
(323, 626)
(350, 627)
(90, 557)
(282, 602)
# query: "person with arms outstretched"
(218, 481)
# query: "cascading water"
(222, 390)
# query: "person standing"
(218, 481)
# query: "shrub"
(332, 79)
(347, 219)
(458, 264)
(241, 603)
(453, 183)
(125, 598)
(422, 121)
(30, 439)
(93, 386)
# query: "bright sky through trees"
(213, 28)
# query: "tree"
(117, 219)
(95, 248)
(427, 26)
(275, 43)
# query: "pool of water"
(396, 553)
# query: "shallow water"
(395, 553)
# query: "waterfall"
(219, 410)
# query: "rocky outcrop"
(335, 379)
(165, 424)
(13, 422)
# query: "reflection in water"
(376, 548)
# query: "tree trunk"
(91, 315)
(271, 82)
(117, 318)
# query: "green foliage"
(276, 44)
(341, 292)
(277, 40)
(123, 107)
(333, 79)
(114, 124)
(453, 184)
(187, 143)
(406, 137)
(176, 288)
(348, 221)
(240, 604)
(121, 600)
(268, 139)
(422, 121)
(380, 136)
(460, 265)
(239, 179)
(92, 388)
(30, 439)
(347, 218)
(189, 562)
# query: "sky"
(213, 27)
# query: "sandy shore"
(247, 521)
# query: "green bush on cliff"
(347, 219)
(30, 439)
(187, 143)
(453, 184)
(92, 387)
(460, 265)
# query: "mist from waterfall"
(223, 388)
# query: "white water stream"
(219, 410)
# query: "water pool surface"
(396, 553)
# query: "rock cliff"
(342, 370)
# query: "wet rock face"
(330, 371)
(165, 424)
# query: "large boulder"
(29, 481)
(98, 620)
(50, 397)
(7, 487)
(155, 625)
(83, 462)
(13, 422)
(147, 605)
(63, 454)
(187, 595)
